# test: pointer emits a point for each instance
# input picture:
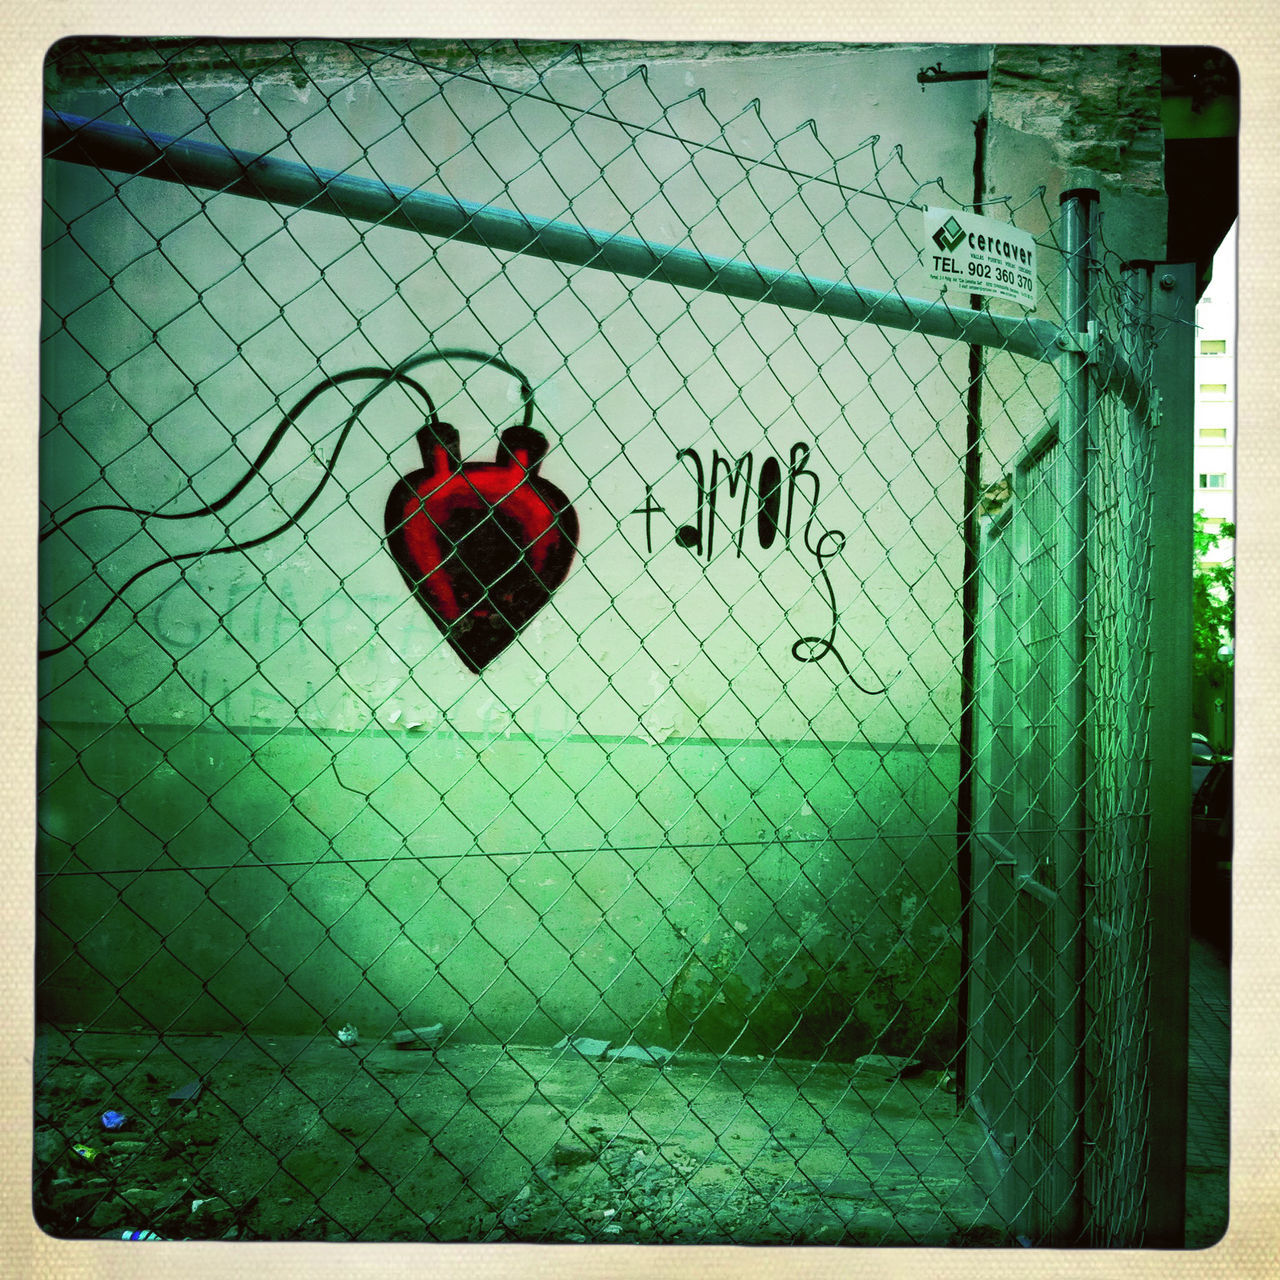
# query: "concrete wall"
(646, 815)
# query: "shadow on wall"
(252, 916)
(873, 970)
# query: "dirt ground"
(302, 1139)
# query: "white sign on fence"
(979, 255)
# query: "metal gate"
(1061, 902)
(500, 711)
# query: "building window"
(1213, 480)
(1213, 346)
(1213, 433)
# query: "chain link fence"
(500, 708)
(1062, 918)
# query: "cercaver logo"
(948, 235)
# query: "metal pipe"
(969, 637)
(124, 149)
(1126, 946)
(936, 75)
(1072, 847)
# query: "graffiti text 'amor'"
(721, 488)
(776, 501)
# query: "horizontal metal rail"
(124, 149)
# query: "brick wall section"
(1099, 107)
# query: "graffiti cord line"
(386, 378)
(819, 646)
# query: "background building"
(1215, 424)
(1216, 395)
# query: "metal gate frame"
(1023, 1055)
(1039, 941)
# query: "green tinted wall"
(754, 902)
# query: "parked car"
(1202, 757)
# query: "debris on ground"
(211, 1214)
(570, 1152)
(348, 1036)
(188, 1092)
(114, 1120)
(591, 1152)
(48, 1147)
(650, 1056)
(107, 1214)
(888, 1066)
(584, 1045)
(419, 1037)
(127, 1146)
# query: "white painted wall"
(648, 776)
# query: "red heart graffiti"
(482, 545)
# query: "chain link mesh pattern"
(585, 868)
(1055, 906)
(1116, 868)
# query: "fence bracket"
(1084, 344)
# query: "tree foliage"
(1213, 604)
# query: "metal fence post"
(1071, 679)
(1173, 315)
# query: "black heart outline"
(481, 545)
